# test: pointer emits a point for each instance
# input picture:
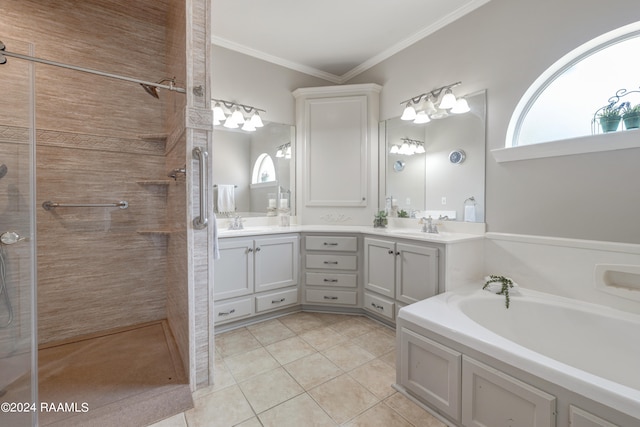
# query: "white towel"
(470, 213)
(226, 198)
(216, 247)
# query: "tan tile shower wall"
(95, 271)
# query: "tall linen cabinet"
(337, 134)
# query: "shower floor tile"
(110, 373)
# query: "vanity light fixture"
(462, 106)
(284, 151)
(422, 112)
(408, 147)
(233, 115)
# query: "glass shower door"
(18, 344)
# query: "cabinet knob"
(258, 249)
(397, 253)
(226, 313)
(330, 297)
(330, 244)
(277, 301)
(376, 306)
(250, 250)
(391, 252)
(331, 280)
(331, 262)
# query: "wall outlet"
(444, 200)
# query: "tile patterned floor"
(304, 369)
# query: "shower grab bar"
(48, 205)
(200, 222)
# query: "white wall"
(503, 47)
(240, 78)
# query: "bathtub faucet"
(236, 223)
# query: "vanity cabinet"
(251, 273)
(396, 272)
(337, 134)
(331, 269)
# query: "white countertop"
(403, 233)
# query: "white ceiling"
(331, 39)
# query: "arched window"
(263, 170)
(562, 103)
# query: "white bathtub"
(586, 348)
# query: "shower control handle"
(11, 237)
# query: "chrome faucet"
(428, 226)
(236, 223)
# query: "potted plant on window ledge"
(609, 118)
(631, 116)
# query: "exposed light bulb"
(279, 153)
(404, 149)
(287, 154)
(409, 112)
(394, 149)
(420, 149)
(448, 100)
(462, 106)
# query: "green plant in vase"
(631, 115)
(609, 118)
(380, 219)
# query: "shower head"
(3, 170)
(153, 90)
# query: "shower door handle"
(201, 222)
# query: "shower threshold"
(129, 377)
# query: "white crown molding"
(218, 41)
(333, 78)
(387, 53)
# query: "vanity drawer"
(332, 262)
(332, 279)
(274, 300)
(382, 306)
(331, 243)
(232, 310)
(331, 296)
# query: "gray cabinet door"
(492, 398)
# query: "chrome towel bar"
(48, 205)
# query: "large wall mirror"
(448, 178)
(253, 171)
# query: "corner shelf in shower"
(155, 232)
(165, 182)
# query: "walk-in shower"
(103, 334)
